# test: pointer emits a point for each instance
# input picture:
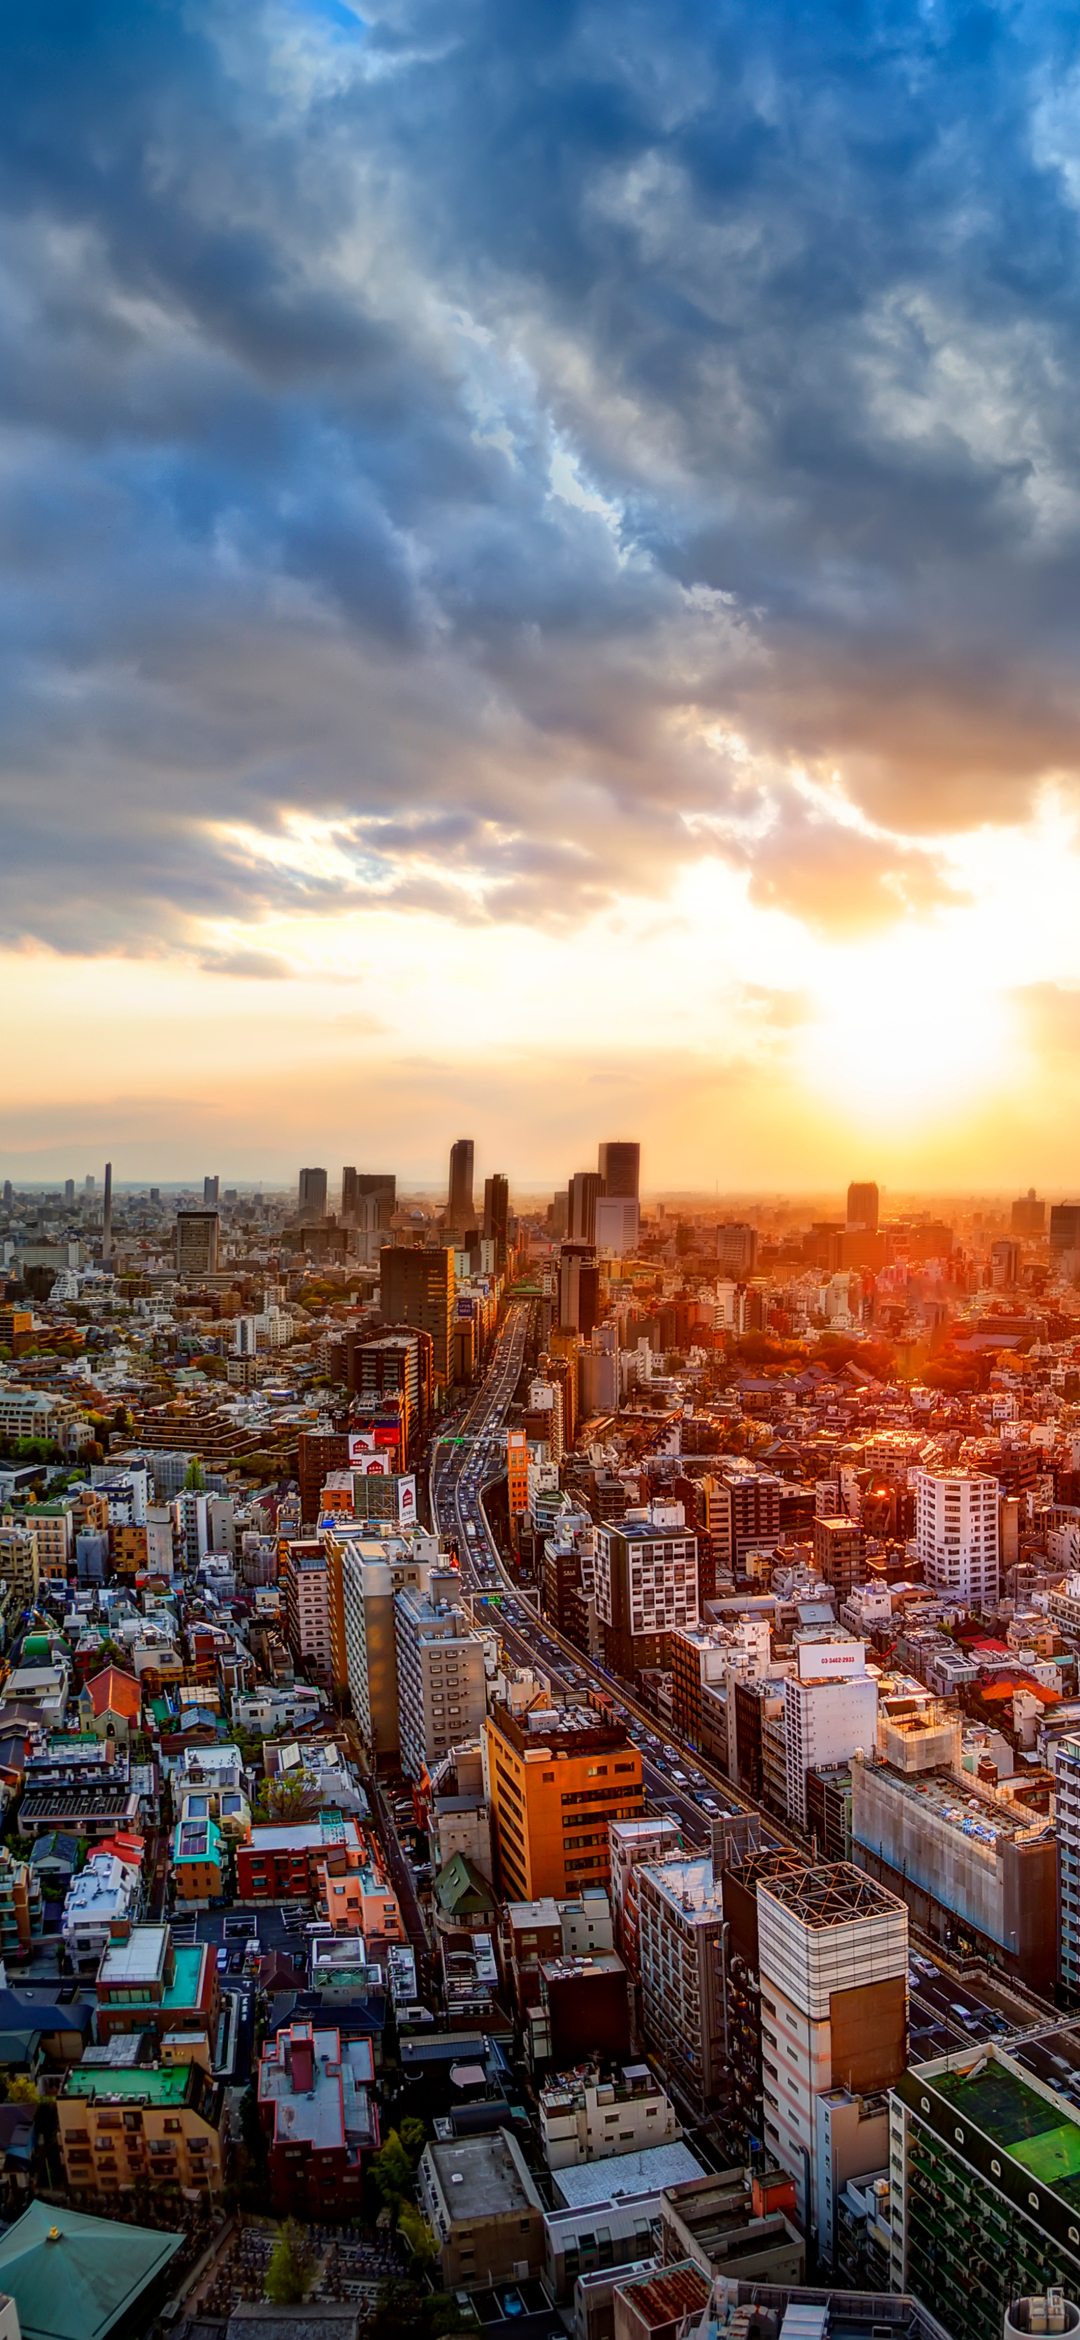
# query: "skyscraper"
(460, 1200)
(497, 1215)
(196, 1243)
(862, 1207)
(620, 1169)
(579, 1288)
(106, 1220)
(69, 1193)
(956, 1535)
(585, 1187)
(210, 1188)
(417, 1287)
(312, 1195)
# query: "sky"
(540, 573)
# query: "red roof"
(115, 1693)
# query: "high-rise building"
(440, 1671)
(838, 1552)
(830, 1710)
(833, 1965)
(1067, 1806)
(584, 1190)
(579, 1288)
(106, 1217)
(196, 1243)
(312, 1195)
(645, 1578)
(1028, 1214)
(956, 1535)
(69, 1193)
(736, 1247)
(378, 1187)
(863, 1204)
(556, 1776)
(1064, 1230)
(459, 1208)
(417, 1287)
(620, 1170)
(616, 1225)
(497, 1217)
(373, 1571)
(305, 1583)
(680, 1916)
(210, 1187)
(984, 2150)
(744, 1517)
(396, 1360)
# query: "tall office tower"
(1028, 1214)
(1064, 1230)
(584, 1189)
(956, 1535)
(579, 1288)
(210, 1192)
(196, 1243)
(620, 1170)
(399, 1363)
(833, 1961)
(442, 1690)
(417, 1287)
(459, 1209)
(646, 1583)
(736, 1247)
(312, 1194)
(551, 1815)
(69, 1192)
(106, 1219)
(90, 1183)
(616, 1225)
(348, 1193)
(862, 1208)
(497, 1216)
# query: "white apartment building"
(645, 1574)
(306, 1573)
(832, 1963)
(830, 1710)
(591, 2119)
(105, 1889)
(1067, 1806)
(442, 1691)
(29, 1413)
(956, 1535)
(634, 1843)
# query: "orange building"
(517, 1472)
(557, 1776)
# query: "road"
(463, 1461)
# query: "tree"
(195, 1479)
(414, 2228)
(290, 1798)
(292, 2264)
(392, 2170)
(21, 2090)
(413, 2135)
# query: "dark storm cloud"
(424, 431)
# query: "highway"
(466, 1458)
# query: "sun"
(905, 1029)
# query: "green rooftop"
(1031, 2129)
(161, 2084)
(73, 2277)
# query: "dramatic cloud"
(422, 436)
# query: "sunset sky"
(541, 574)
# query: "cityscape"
(539, 1669)
(539, 1758)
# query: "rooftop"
(832, 1895)
(592, 2183)
(690, 1886)
(1038, 2132)
(165, 2084)
(955, 1803)
(138, 1961)
(73, 2277)
(669, 2294)
(483, 2177)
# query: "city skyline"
(490, 637)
